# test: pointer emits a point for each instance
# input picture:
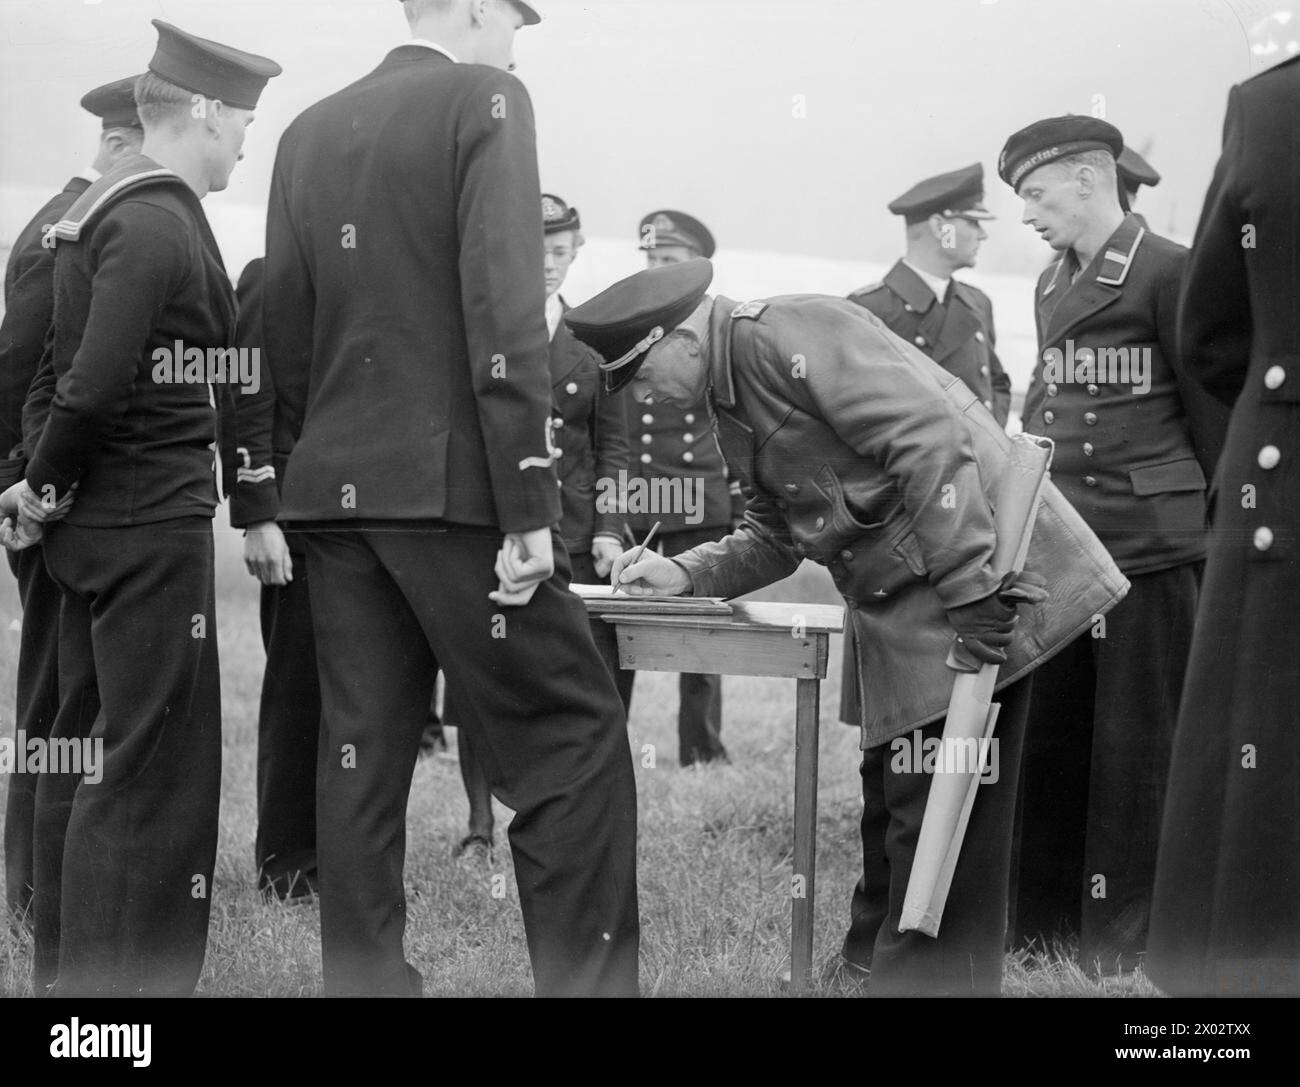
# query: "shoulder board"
(868, 289)
(103, 193)
(752, 310)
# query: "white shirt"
(935, 283)
(90, 174)
(554, 313)
(435, 47)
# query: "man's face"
(662, 255)
(495, 44)
(561, 248)
(673, 372)
(1053, 205)
(231, 127)
(966, 236)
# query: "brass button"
(1090, 417)
(1269, 457)
(1049, 417)
(984, 371)
(1273, 377)
(846, 556)
(690, 418)
(1093, 390)
(792, 489)
(919, 341)
(1053, 389)
(1263, 538)
(646, 420)
(988, 404)
(1088, 449)
(820, 523)
(688, 438)
(558, 424)
(688, 456)
(907, 307)
(979, 336)
(571, 387)
(1090, 481)
(646, 439)
(645, 458)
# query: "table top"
(807, 618)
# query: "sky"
(786, 126)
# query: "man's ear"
(478, 12)
(215, 116)
(1086, 179)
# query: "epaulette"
(752, 310)
(868, 289)
(134, 174)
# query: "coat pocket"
(868, 560)
(1171, 476)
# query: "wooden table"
(781, 640)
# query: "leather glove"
(984, 627)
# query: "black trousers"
(37, 704)
(124, 864)
(554, 747)
(1095, 770)
(288, 733)
(477, 790)
(966, 958)
(699, 712)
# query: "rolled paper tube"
(971, 713)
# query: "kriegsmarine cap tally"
(557, 216)
(531, 18)
(114, 103)
(1055, 138)
(1134, 170)
(624, 321)
(209, 68)
(959, 193)
(668, 227)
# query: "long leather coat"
(863, 455)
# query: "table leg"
(803, 888)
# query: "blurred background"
(786, 127)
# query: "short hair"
(416, 8)
(1103, 162)
(160, 103)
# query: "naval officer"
(29, 308)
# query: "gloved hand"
(984, 627)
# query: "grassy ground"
(714, 854)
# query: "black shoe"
(473, 849)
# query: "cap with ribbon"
(959, 193)
(1054, 138)
(624, 321)
(668, 227)
(113, 103)
(558, 216)
(209, 68)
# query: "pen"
(644, 544)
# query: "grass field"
(714, 854)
